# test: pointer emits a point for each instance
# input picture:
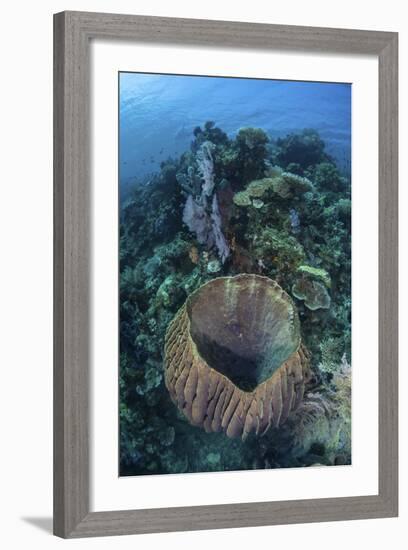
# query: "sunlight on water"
(159, 112)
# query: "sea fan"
(206, 167)
(219, 239)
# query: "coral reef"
(233, 356)
(278, 249)
(284, 184)
(230, 205)
(288, 185)
(251, 153)
(300, 151)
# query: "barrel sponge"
(234, 360)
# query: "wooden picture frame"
(72, 34)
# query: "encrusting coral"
(234, 358)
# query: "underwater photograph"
(235, 274)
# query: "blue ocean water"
(159, 112)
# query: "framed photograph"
(225, 289)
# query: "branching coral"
(330, 349)
(342, 400)
(342, 385)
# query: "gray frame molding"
(72, 33)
